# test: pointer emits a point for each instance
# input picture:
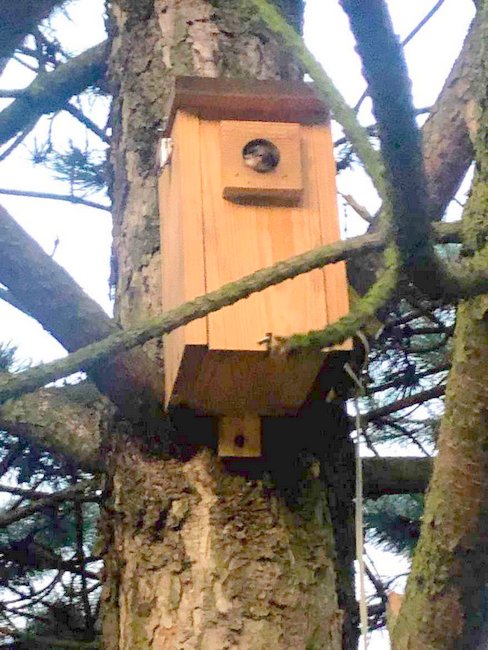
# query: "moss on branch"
(90, 356)
(50, 91)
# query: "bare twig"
(90, 124)
(56, 197)
(405, 41)
(406, 402)
(76, 492)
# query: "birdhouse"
(249, 180)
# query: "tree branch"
(19, 19)
(89, 356)
(7, 296)
(383, 287)
(86, 121)
(395, 475)
(405, 41)
(447, 147)
(50, 91)
(54, 299)
(406, 402)
(389, 87)
(342, 112)
(68, 422)
(56, 197)
(81, 489)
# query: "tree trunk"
(200, 553)
(445, 602)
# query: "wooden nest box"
(250, 181)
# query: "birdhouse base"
(242, 382)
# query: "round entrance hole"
(261, 155)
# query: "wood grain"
(240, 436)
(246, 99)
(216, 365)
(283, 186)
(183, 270)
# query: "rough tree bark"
(445, 601)
(201, 554)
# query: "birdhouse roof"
(246, 99)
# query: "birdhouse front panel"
(238, 195)
(259, 162)
(240, 239)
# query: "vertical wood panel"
(182, 240)
(323, 181)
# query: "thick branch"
(390, 91)
(449, 572)
(89, 356)
(395, 475)
(446, 145)
(53, 298)
(50, 91)
(68, 422)
(19, 19)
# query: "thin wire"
(359, 524)
(363, 609)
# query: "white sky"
(84, 233)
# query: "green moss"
(137, 12)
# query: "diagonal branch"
(447, 146)
(390, 91)
(406, 402)
(384, 286)
(91, 355)
(342, 112)
(54, 299)
(50, 91)
(19, 19)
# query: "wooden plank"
(246, 99)
(234, 382)
(322, 171)
(242, 239)
(240, 437)
(281, 186)
(182, 240)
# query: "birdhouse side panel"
(182, 242)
